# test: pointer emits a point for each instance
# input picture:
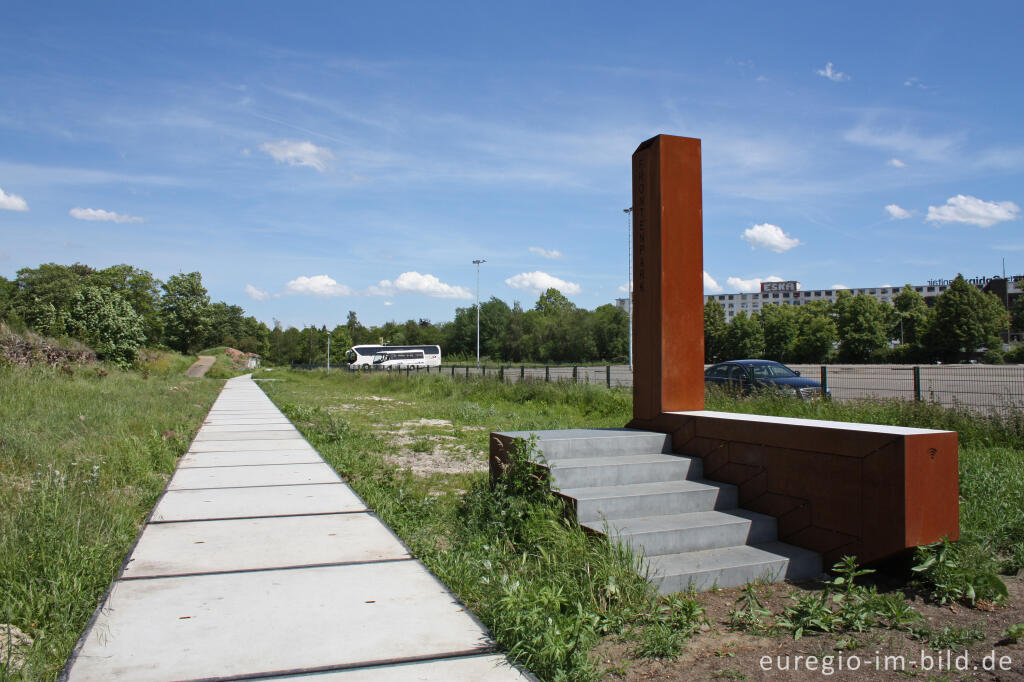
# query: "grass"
(84, 453)
(547, 590)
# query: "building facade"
(791, 293)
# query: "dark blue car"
(749, 375)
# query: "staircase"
(627, 484)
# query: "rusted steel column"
(668, 288)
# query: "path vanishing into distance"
(259, 562)
(201, 366)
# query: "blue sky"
(311, 159)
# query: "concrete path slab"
(248, 435)
(245, 421)
(260, 562)
(273, 621)
(249, 458)
(486, 668)
(167, 549)
(238, 446)
(283, 425)
(237, 503)
(248, 476)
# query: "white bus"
(387, 357)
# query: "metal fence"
(979, 387)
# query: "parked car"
(749, 375)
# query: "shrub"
(107, 323)
(993, 356)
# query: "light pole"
(477, 264)
(629, 282)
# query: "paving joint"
(284, 579)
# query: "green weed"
(947, 573)
(83, 457)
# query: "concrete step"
(731, 567)
(590, 472)
(650, 499)
(571, 443)
(696, 531)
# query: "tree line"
(861, 329)
(120, 309)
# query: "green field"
(84, 453)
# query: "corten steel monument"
(836, 488)
(668, 298)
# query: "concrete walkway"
(258, 562)
(201, 366)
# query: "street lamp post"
(477, 264)
(629, 282)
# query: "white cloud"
(768, 236)
(389, 303)
(935, 148)
(973, 211)
(748, 285)
(416, 283)
(12, 202)
(839, 286)
(98, 214)
(299, 153)
(896, 212)
(896, 163)
(831, 74)
(255, 293)
(544, 253)
(538, 282)
(915, 82)
(624, 288)
(710, 284)
(317, 285)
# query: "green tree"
(863, 324)
(816, 332)
(45, 294)
(460, 334)
(359, 333)
(553, 302)
(140, 289)
(185, 311)
(780, 331)
(494, 319)
(744, 338)
(610, 326)
(965, 319)
(8, 289)
(513, 340)
(911, 317)
(107, 323)
(341, 341)
(1016, 313)
(715, 331)
(226, 323)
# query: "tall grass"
(84, 453)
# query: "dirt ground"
(719, 653)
